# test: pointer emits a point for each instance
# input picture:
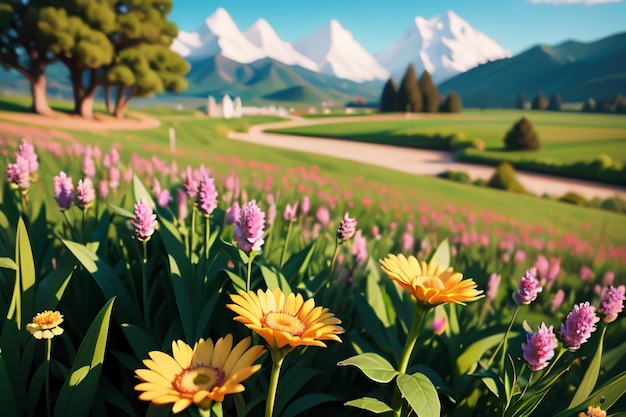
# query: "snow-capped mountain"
(337, 53)
(443, 45)
(263, 35)
(218, 35)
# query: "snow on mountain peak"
(336, 52)
(444, 45)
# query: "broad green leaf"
(468, 359)
(7, 397)
(238, 282)
(374, 405)
(305, 402)
(375, 328)
(374, 366)
(588, 382)
(205, 315)
(78, 391)
(442, 255)
(23, 300)
(376, 301)
(296, 266)
(120, 211)
(140, 342)
(52, 286)
(274, 279)
(607, 395)
(216, 409)
(10, 352)
(34, 389)
(127, 310)
(183, 301)
(297, 378)
(8, 263)
(240, 405)
(140, 192)
(420, 393)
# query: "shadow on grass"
(13, 106)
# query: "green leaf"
(183, 301)
(374, 405)
(585, 387)
(607, 395)
(305, 402)
(141, 192)
(108, 281)
(468, 359)
(442, 255)
(374, 366)
(274, 279)
(296, 266)
(121, 211)
(140, 342)
(7, 263)
(81, 385)
(238, 282)
(7, 398)
(420, 393)
(376, 301)
(297, 378)
(34, 389)
(205, 315)
(22, 303)
(52, 286)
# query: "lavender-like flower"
(232, 213)
(249, 228)
(557, 300)
(19, 175)
(144, 222)
(540, 347)
(290, 212)
(206, 198)
(63, 190)
(27, 151)
(306, 204)
(493, 285)
(323, 215)
(579, 325)
(85, 193)
(190, 183)
(611, 302)
(89, 166)
(528, 288)
(359, 247)
(346, 229)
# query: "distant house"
(227, 108)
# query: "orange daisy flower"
(200, 375)
(45, 325)
(285, 320)
(430, 283)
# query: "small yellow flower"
(430, 283)
(200, 375)
(283, 321)
(593, 411)
(45, 325)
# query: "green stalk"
(83, 226)
(48, 354)
(144, 283)
(249, 271)
(193, 230)
(332, 264)
(207, 226)
(502, 344)
(282, 255)
(278, 356)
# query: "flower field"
(145, 287)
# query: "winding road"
(412, 161)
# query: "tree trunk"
(107, 97)
(122, 102)
(83, 96)
(38, 91)
(76, 76)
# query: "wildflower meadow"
(142, 287)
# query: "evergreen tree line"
(414, 96)
(540, 102)
(615, 104)
(122, 46)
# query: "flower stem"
(332, 264)
(48, 354)
(144, 283)
(83, 226)
(282, 254)
(249, 271)
(278, 356)
(502, 344)
(192, 231)
(207, 230)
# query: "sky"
(515, 24)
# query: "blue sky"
(514, 24)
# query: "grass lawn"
(565, 137)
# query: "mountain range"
(444, 45)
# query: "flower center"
(283, 322)
(431, 282)
(198, 378)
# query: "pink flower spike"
(249, 228)
(63, 190)
(85, 193)
(579, 325)
(19, 175)
(290, 212)
(144, 222)
(306, 205)
(528, 288)
(206, 196)
(27, 151)
(346, 229)
(539, 348)
(493, 285)
(612, 302)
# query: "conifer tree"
(520, 102)
(430, 94)
(452, 103)
(409, 97)
(388, 97)
(556, 103)
(539, 102)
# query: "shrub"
(505, 179)
(573, 198)
(457, 176)
(614, 204)
(522, 136)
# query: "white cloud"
(587, 2)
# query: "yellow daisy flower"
(283, 321)
(45, 325)
(200, 375)
(430, 283)
(593, 411)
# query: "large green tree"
(409, 97)
(430, 93)
(388, 97)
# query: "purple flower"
(539, 348)
(190, 183)
(359, 248)
(182, 208)
(306, 204)
(493, 285)
(557, 300)
(103, 187)
(27, 151)
(164, 197)
(528, 288)
(249, 228)
(89, 166)
(206, 198)
(290, 212)
(85, 193)
(144, 222)
(611, 302)
(19, 174)
(323, 215)
(346, 229)
(63, 190)
(579, 325)
(232, 213)
(114, 177)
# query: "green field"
(565, 137)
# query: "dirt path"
(99, 122)
(412, 161)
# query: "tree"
(520, 102)
(24, 48)
(409, 97)
(556, 103)
(522, 136)
(388, 97)
(539, 102)
(430, 94)
(452, 104)
(589, 106)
